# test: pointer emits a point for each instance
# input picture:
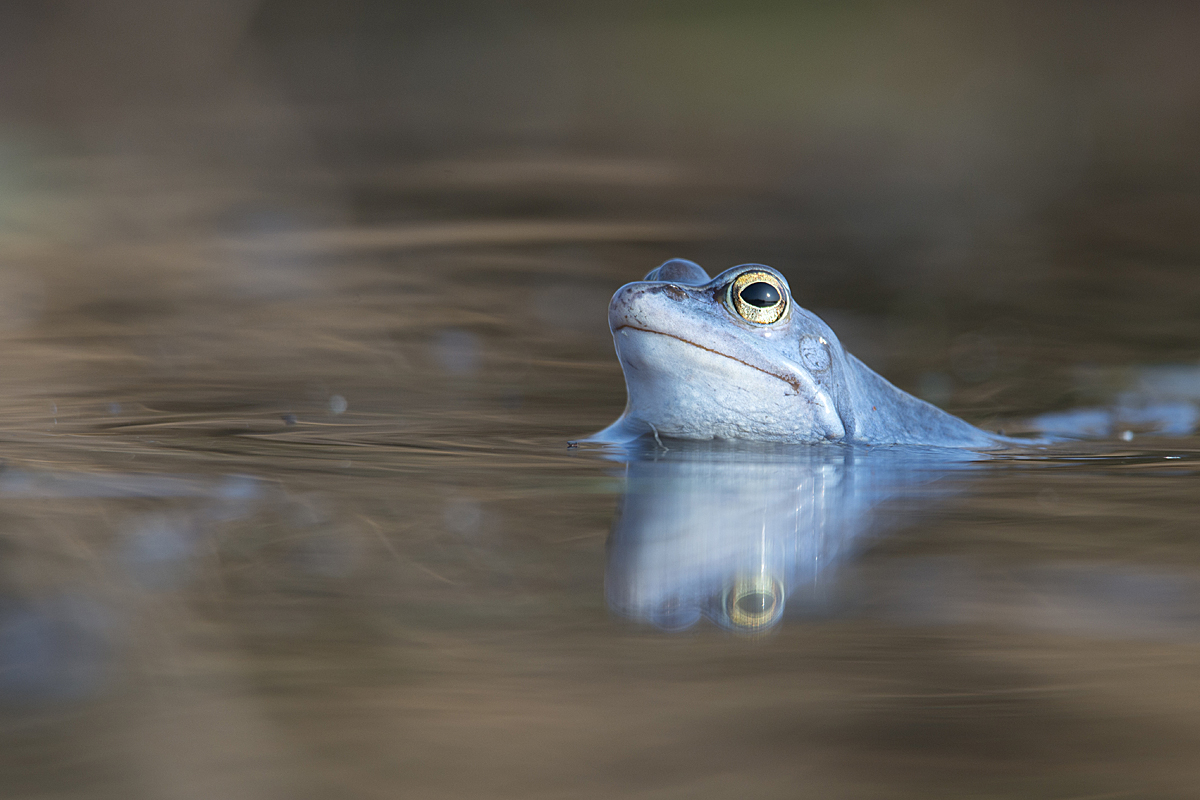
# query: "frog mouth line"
(793, 382)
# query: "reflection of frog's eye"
(754, 603)
(758, 297)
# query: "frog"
(734, 357)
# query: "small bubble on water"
(1127, 436)
(114, 408)
(337, 404)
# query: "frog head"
(730, 357)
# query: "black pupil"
(761, 295)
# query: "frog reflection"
(729, 532)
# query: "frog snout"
(636, 291)
(632, 303)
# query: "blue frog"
(734, 357)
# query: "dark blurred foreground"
(300, 303)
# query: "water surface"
(301, 531)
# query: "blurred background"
(300, 301)
(988, 186)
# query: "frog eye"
(758, 297)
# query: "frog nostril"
(760, 295)
(670, 290)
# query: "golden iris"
(758, 297)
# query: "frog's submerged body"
(733, 357)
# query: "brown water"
(286, 385)
(309, 528)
